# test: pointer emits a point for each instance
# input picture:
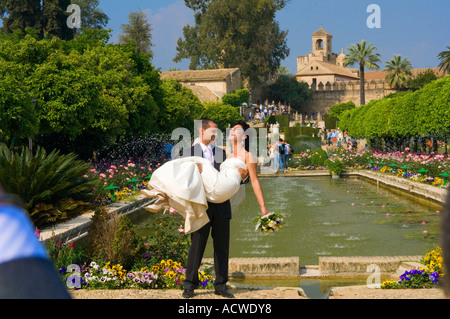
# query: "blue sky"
(417, 29)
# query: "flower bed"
(429, 169)
(167, 274)
(427, 277)
(122, 179)
(115, 257)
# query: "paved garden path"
(278, 293)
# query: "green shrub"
(63, 255)
(113, 238)
(334, 166)
(318, 157)
(53, 186)
(166, 240)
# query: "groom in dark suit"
(219, 225)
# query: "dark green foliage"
(235, 33)
(288, 91)
(223, 114)
(422, 79)
(237, 98)
(53, 186)
(337, 109)
(20, 15)
(422, 114)
(318, 157)
(112, 237)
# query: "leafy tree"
(17, 114)
(337, 109)
(54, 19)
(182, 106)
(234, 33)
(223, 114)
(432, 107)
(283, 70)
(92, 16)
(421, 79)
(138, 31)
(362, 54)
(376, 119)
(403, 116)
(357, 128)
(399, 72)
(444, 56)
(289, 91)
(20, 15)
(237, 98)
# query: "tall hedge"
(425, 112)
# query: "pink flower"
(172, 210)
(180, 230)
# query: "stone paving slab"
(359, 265)
(355, 292)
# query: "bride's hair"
(245, 126)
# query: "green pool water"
(330, 217)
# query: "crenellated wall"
(325, 95)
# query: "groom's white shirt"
(204, 149)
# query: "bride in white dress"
(188, 184)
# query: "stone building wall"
(326, 95)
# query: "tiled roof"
(203, 93)
(326, 68)
(199, 75)
(321, 32)
(381, 75)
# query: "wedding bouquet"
(269, 223)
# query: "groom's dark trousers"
(219, 225)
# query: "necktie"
(209, 155)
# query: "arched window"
(319, 44)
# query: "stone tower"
(322, 46)
(322, 49)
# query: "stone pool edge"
(429, 192)
(285, 267)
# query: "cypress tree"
(20, 14)
(54, 19)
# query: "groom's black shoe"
(188, 293)
(224, 293)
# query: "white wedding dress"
(189, 191)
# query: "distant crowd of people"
(339, 138)
(280, 153)
(263, 111)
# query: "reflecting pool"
(333, 217)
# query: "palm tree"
(400, 72)
(362, 54)
(444, 56)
